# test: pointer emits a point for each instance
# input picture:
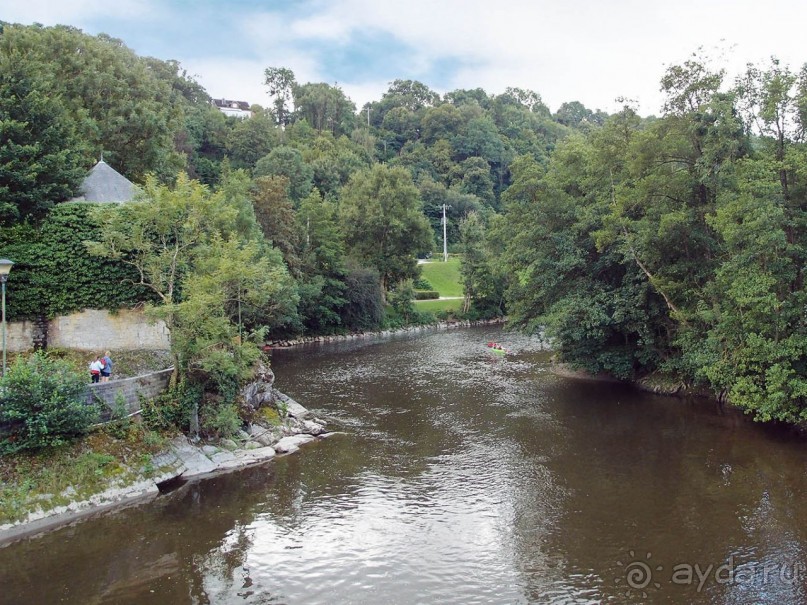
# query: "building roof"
(222, 103)
(105, 184)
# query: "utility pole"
(445, 241)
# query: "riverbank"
(180, 461)
(441, 325)
(657, 384)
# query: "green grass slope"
(444, 277)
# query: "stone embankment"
(184, 460)
(442, 325)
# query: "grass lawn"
(444, 277)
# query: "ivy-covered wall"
(54, 274)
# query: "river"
(461, 477)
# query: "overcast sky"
(591, 51)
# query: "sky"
(592, 51)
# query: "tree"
(482, 291)
(212, 276)
(42, 161)
(234, 293)
(287, 162)
(275, 214)
(43, 403)
(332, 161)
(119, 104)
(162, 233)
(574, 114)
(325, 107)
(280, 82)
(459, 205)
(250, 140)
(322, 285)
(383, 222)
(364, 306)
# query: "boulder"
(259, 392)
(312, 428)
(291, 444)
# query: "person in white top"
(95, 369)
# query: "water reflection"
(462, 478)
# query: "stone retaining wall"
(92, 330)
(133, 390)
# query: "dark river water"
(460, 478)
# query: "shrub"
(222, 421)
(421, 283)
(426, 295)
(43, 404)
(172, 409)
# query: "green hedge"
(53, 273)
(426, 294)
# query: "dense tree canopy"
(671, 245)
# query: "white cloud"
(76, 12)
(230, 79)
(588, 50)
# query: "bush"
(426, 295)
(421, 283)
(221, 421)
(43, 404)
(172, 409)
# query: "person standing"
(95, 370)
(107, 369)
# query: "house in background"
(238, 109)
(105, 184)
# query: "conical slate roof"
(105, 184)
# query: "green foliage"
(216, 328)
(401, 299)
(43, 404)
(421, 283)
(384, 226)
(171, 410)
(41, 160)
(322, 286)
(250, 140)
(120, 105)
(121, 423)
(220, 286)
(53, 272)
(441, 308)
(221, 420)
(364, 306)
(275, 215)
(287, 162)
(161, 234)
(325, 107)
(674, 244)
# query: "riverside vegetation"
(666, 246)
